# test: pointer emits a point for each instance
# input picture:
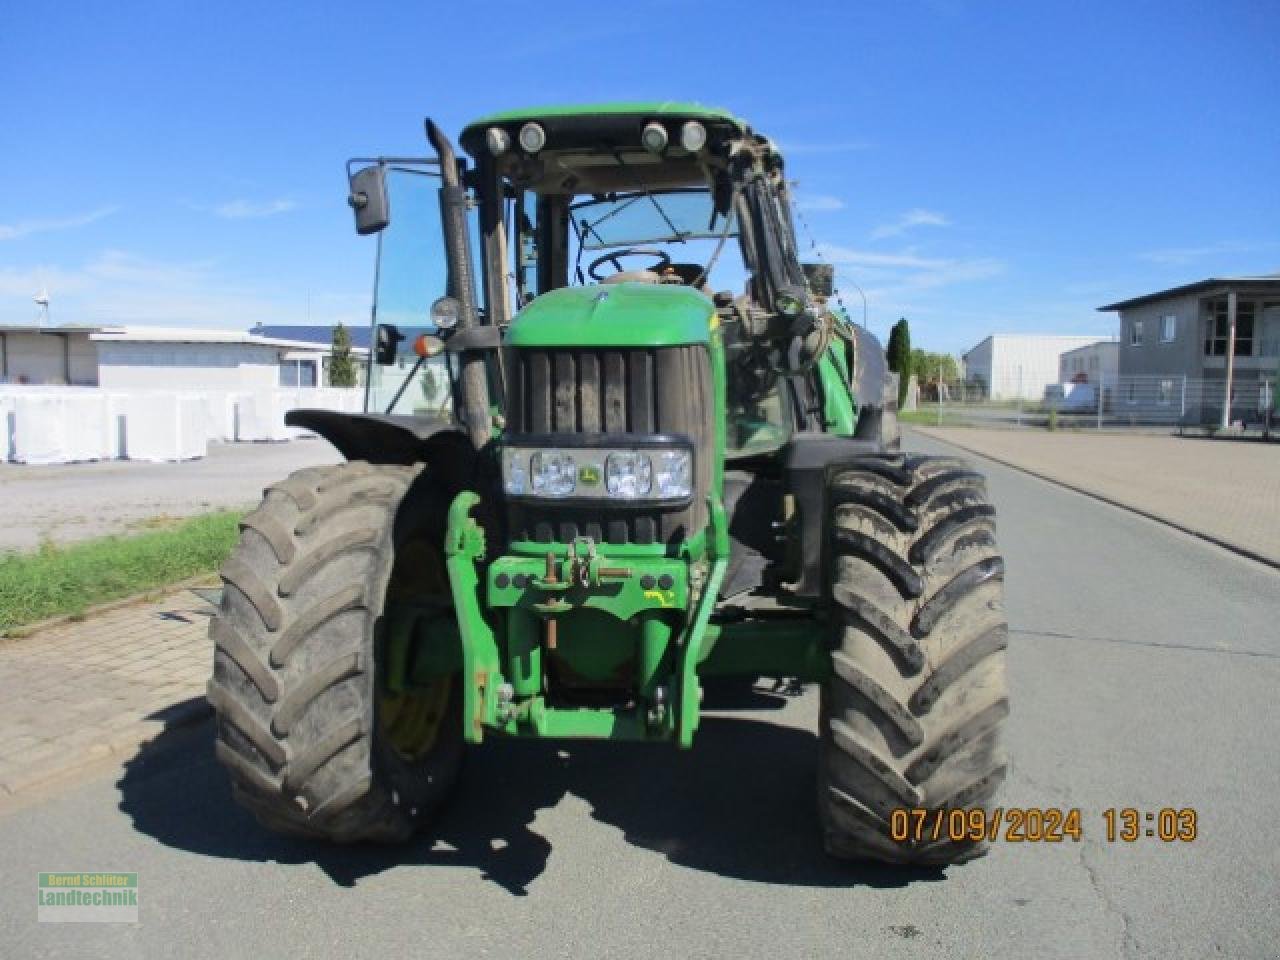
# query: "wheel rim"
(410, 721)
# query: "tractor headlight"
(657, 471)
(654, 137)
(445, 312)
(673, 473)
(552, 473)
(497, 140)
(693, 136)
(532, 138)
(628, 474)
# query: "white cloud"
(916, 217)
(120, 287)
(246, 210)
(818, 202)
(23, 228)
(896, 274)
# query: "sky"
(975, 167)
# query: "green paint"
(685, 110)
(464, 547)
(767, 648)
(689, 694)
(614, 315)
(838, 410)
(620, 598)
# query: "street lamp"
(864, 302)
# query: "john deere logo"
(589, 475)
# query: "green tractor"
(618, 449)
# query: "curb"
(1227, 545)
(182, 714)
(10, 634)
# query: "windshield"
(411, 274)
(676, 227)
(636, 218)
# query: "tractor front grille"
(644, 391)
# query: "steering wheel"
(661, 259)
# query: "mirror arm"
(405, 385)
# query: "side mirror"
(386, 342)
(368, 198)
(821, 278)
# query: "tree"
(932, 366)
(899, 356)
(342, 367)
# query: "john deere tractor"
(619, 448)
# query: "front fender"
(379, 437)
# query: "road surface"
(76, 501)
(1145, 666)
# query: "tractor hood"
(614, 315)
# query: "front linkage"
(666, 603)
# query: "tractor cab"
(560, 202)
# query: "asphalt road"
(75, 501)
(1145, 667)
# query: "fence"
(1157, 402)
(45, 425)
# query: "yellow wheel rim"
(410, 721)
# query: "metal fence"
(1175, 403)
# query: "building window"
(1215, 334)
(1135, 333)
(1131, 392)
(1168, 328)
(1164, 396)
(297, 373)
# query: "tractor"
(620, 447)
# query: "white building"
(1018, 365)
(168, 358)
(1091, 363)
(72, 394)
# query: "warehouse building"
(1012, 366)
(127, 357)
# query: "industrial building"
(1012, 366)
(128, 357)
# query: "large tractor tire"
(912, 715)
(313, 742)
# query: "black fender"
(876, 391)
(389, 437)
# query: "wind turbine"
(42, 301)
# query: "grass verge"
(924, 418)
(57, 581)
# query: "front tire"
(913, 713)
(312, 743)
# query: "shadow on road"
(739, 804)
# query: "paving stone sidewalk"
(83, 691)
(1225, 490)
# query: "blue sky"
(976, 167)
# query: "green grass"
(55, 581)
(923, 417)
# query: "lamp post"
(864, 303)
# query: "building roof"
(1100, 342)
(196, 335)
(36, 328)
(311, 333)
(1269, 281)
